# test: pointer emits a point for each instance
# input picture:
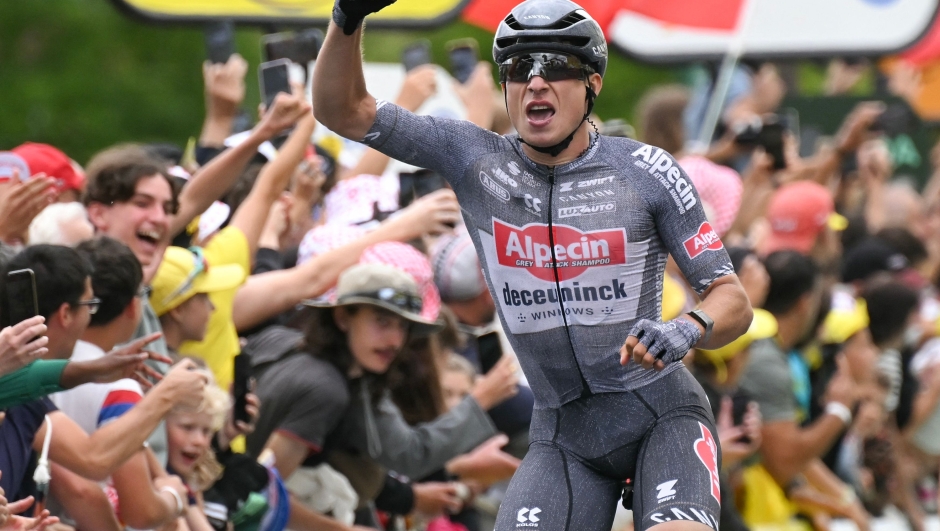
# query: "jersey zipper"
(551, 244)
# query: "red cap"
(43, 158)
(797, 213)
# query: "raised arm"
(340, 99)
(272, 182)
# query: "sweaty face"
(143, 222)
(188, 439)
(374, 336)
(544, 112)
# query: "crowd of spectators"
(383, 392)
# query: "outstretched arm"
(340, 99)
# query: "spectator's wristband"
(180, 506)
(840, 410)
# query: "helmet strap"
(556, 150)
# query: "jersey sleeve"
(443, 145)
(680, 219)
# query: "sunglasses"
(548, 66)
(406, 301)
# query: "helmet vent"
(513, 23)
(569, 20)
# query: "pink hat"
(319, 240)
(43, 158)
(719, 187)
(797, 213)
(413, 262)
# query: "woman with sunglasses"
(573, 230)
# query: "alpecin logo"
(706, 239)
(529, 247)
(661, 165)
(707, 451)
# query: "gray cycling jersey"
(572, 254)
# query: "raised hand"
(349, 14)
(225, 85)
(20, 202)
(22, 343)
(500, 383)
(435, 213)
(184, 383)
(420, 84)
(285, 112)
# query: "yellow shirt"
(220, 345)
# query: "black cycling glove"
(669, 341)
(349, 14)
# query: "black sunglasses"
(548, 66)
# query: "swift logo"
(586, 210)
(700, 515)
(372, 137)
(704, 240)
(707, 452)
(493, 187)
(665, 491)
(530, 248)
(567, 187)
(662, 166)
(528, 517)
(532, 204)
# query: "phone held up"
(22, 298)
(241, 386)
(416, 54)
(464, 56)
(220, 41)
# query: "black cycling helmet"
(558, 26)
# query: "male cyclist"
(573, 231)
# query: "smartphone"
(416, 54)
(464, 56)
(895, 120)
(771, 139)
(418, 184)
(241, 384)
(489, 350)
(274, 77)
(300, 47)
(22, 299)
(220, 41)
(739, 402)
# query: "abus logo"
(528, 517)
(575, 251)
(586, 210)
(493, 187)
(661, 165)
(707, 452)
(704, 240)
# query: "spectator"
(61, 224)
(352, 344)
(802, 218)
(117, 279)
(67, 175)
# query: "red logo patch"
(575, 251)
(706, 239)
(707, 452)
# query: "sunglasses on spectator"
(548, 66)
(405, 301)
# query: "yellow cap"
(763, 326)
(673, 298)
(184, 273)
(837, 222)
(333, 145)
(847, 317)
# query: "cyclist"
(573, 230)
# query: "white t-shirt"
(93, 405)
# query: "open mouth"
(149, 237)
(190, 456)
(539, 112)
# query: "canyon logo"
(530, 248)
